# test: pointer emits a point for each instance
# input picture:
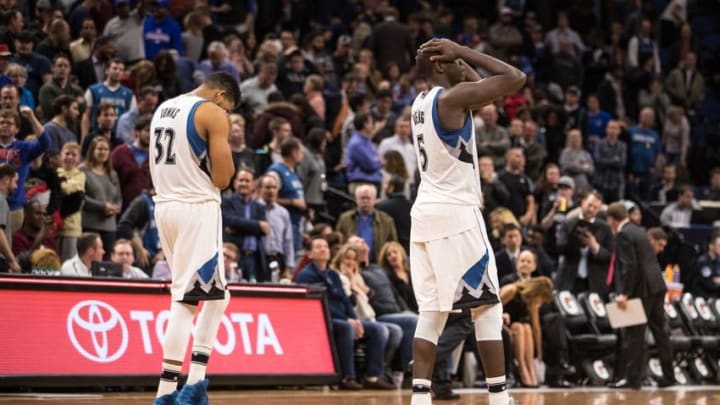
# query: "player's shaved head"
(425, 67)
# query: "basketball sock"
(198, 364)
(498, 390)
(206, 329)
(421, 392)
(168, 379)
(175, 345)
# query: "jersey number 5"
(164, 146)
(423, 154)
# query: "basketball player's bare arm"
(503, 80)
(214, 123)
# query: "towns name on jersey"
(419, 117)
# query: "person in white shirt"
(122, 252)
(90, 249)
(679, 213)
(401, 142)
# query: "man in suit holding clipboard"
(638, 275)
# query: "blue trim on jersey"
(198, 146)
(207, 270)
(474, 276)
(450, 137)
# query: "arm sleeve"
(37, 148)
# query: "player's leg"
(177, 336)
(488, 325)
(518, 342)
(430, 323)
(211, 315)
(429, 327)
(205, 243)
(530, 353)
(179, 325)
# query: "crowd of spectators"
(621, 103)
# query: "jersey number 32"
(164, 146)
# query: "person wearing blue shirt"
(291, 194)
(597, 120)
(20, 154)
(345, 324)
(362, 162)
(148, 100)
(161, 31)
(37, 66)
(645, 148)
(112, 92)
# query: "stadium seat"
(701, 363)
(590, 350)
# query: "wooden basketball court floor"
(701, 395)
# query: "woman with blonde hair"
(521, 300)
(18, 76)
(347, 263)
(499, 217)
(394, 259)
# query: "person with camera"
(585, 244)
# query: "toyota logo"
(93, 329)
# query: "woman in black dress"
(522, 295)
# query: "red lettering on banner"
(57, 332)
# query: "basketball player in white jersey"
(452, 263)
(190, 162)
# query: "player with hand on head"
(190, 164)
(452, 262)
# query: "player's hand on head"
(446, 50)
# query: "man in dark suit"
(585, 243)
(398, 207)
(391, 41)
(638, 275)
(511, 239)
(92, 69)
(244, 224)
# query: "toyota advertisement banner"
(55, 332)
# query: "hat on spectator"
(506, 10)
(25, 36)
(43, 4)
(531, 14)
(566, 181)
(121, 2)
(4, 50)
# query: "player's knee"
(488, 322)
(430, 325)
(217, 307)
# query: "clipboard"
(634, 314)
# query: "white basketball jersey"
(449, 192)
(179, 162)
